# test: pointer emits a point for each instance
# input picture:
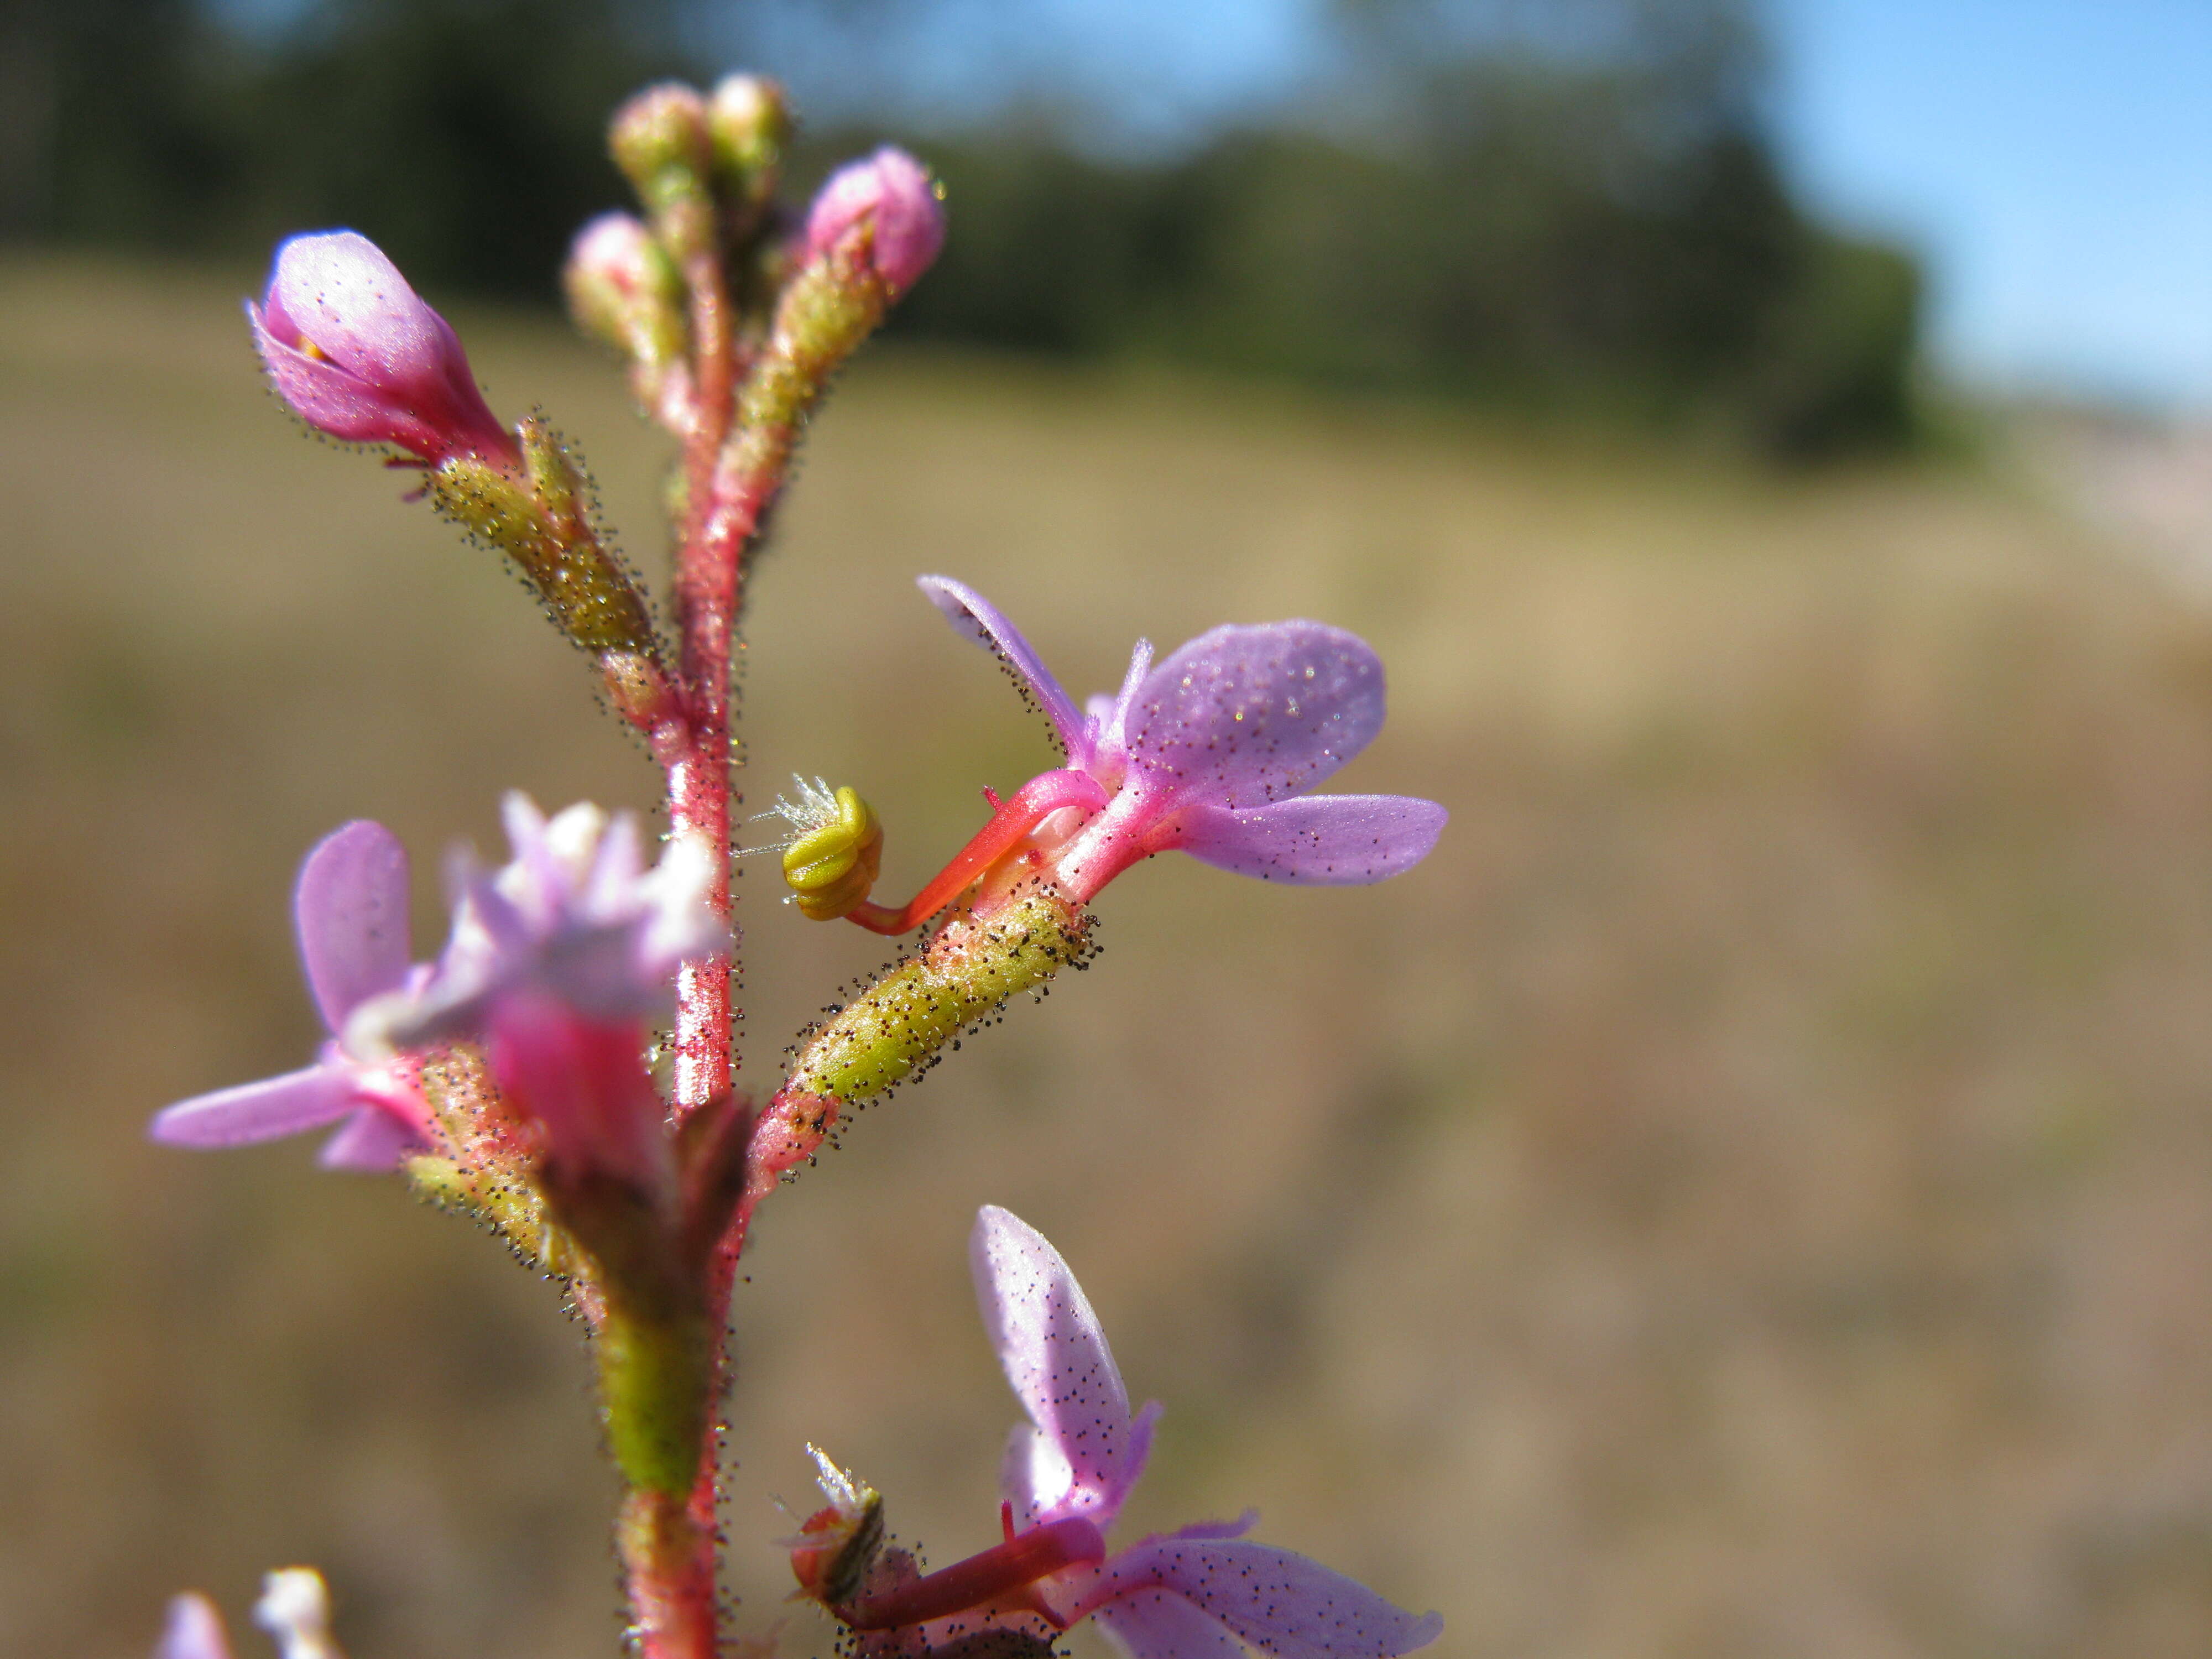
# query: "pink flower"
(355, 352)
(1193, 1593)
(893, 191)
(351, 911)
(574, 917)
(558, 960)
(1210, 752)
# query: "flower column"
(705, 172)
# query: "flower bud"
(659, 141)
(661, 130)
(356, 354)
(749, 121)
(891, 199)
(624, 288)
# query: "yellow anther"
(832, 867)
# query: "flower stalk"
(512, 1076)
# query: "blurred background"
(1748, 1194)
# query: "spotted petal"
(1276, 1600)
(1155, 1624)
(1083, 1455)
(1241, 716)
(274, 1106)
(980, 620)
(351, 911)
(1318, 840)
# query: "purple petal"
(1320, 840)
(194, 1630)
(1154, 1624)
(1058, 1364)
(351, 908)
(1276, 1600)
(372, 1141)
(1243, 716)
(980, 621)
(259, 1111)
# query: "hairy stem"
(668, 1568)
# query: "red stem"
(1032, 804)
(707, 593)
(996, 1574)
(670, 1547)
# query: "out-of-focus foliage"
(1580, 213)
(467, 135)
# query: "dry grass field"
(1748, 1196)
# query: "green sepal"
(541, 522)
(967, 969)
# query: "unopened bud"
(659, 141)
(889, 199)
(357, 353)
(748, 119)
(622, 288)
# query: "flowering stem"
(662, 1379)
(706, 593)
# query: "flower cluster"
(514, 1075)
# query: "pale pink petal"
(337, 311)
(1278, 1600)
(351, 909)
(194, 1630)
(1241, 716)
(274, 1106)
(339, 289)
(372, 1141)
(980, 621)
(1057, 1362)
(332, 399)
(1154, 1624)
(1319, 841)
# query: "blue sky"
(2052, 159)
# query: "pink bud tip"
(358, 355)
(896, 193)
(619, 250)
